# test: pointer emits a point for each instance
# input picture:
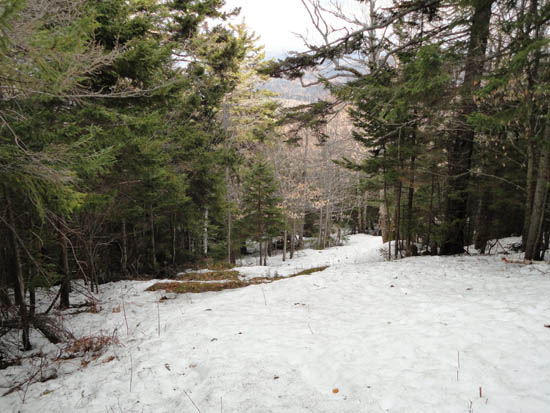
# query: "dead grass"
(220, 266)
(196, 287)
(310, 271)
(169, 287)
(197, 282)
(93, 345)
(205, 287)
(263, 280)
(209, 264)
(267, 280)
(210, 276)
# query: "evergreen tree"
(260, 205)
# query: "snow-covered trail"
(359, 249)
(421, 334)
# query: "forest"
(140, 138)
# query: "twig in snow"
(457, 364)
(265, 301)
(124, 313)
(181, 311)
(131, 369)
(189, 397)
(310, 328)
(158, 313)
(221, 404)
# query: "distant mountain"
(293, 90)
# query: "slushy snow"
(422, 334)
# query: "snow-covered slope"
(421, 334)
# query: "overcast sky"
(276, 21)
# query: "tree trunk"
(530, 184)
(229, 213)
(385, 216)
(539, 201)
(260, 247)
(461, 149)
(545, 244)
(90, 263)
(328, 222)
(360, 217)
(320, 237)
(293, 239)
(304, 200)
(229, 241)
(284, 243)
(397, 219)
(431, 213)
(19, 281)
(32, 301)
(410, 201)
(153, 243)
(5, 300)
(366, 212)
(205, 233)
(532, 73)
(386, 219)
(484, 222)
(124, 260)
(64, 300)
(174, 238)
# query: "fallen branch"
(52, 329)
(525, 262)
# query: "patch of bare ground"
(210, 276)
(203, 282)
(196, 287)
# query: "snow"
(421, 334)
(360, 249)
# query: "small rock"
(49, 373)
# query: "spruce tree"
(260, 205)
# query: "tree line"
(135, 139)
(451, 101)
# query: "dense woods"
(140, 138)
